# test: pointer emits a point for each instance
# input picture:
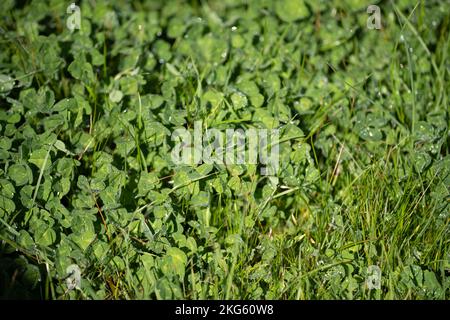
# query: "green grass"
(87, 179)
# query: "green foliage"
(87, 178)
